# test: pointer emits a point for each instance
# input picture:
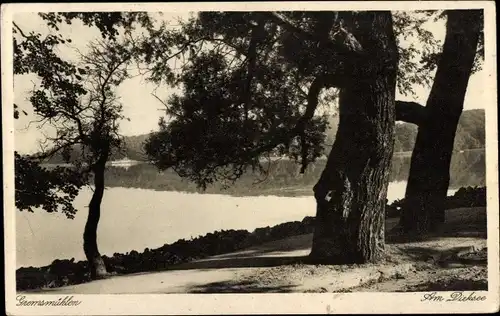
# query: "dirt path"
(453, 259)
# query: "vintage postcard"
(250, 158)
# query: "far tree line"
(470, 135)
(251, 84)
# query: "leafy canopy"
(252, 81)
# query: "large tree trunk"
(430, 163)
(351, 192)
(96, 263)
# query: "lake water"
(133, 219)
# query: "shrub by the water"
(467, 197)
(58, 273)
(464, 197)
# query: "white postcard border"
(148, 304)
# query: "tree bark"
(351, 192)
(96, 263)
(429, 176)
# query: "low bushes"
(464, 197)
(58, 273)
(467, 197)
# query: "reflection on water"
(133, 219)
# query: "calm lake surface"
(135, 219)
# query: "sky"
(140, 106)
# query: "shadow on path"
(470, 222)
(239, 287)
(463, 222)
(243, 262)
(447, 257)
(295, 244)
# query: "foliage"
(77, 99)
(259, 72)
(37, 186)
(412, 25)
(48, 189)
(84, 111)
(412, 71)
(108, 23)
(252, 81)
(243, 85)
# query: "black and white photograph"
(330, 152)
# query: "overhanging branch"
(312, 104)
(256, 35)
(337, 48)
(19, 30)
(410, 112)
(53, 151)
(286, 136)
(343, 42)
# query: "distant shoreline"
(125, 162)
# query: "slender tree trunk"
(351, 192)
(96, 263)
(430, 163)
